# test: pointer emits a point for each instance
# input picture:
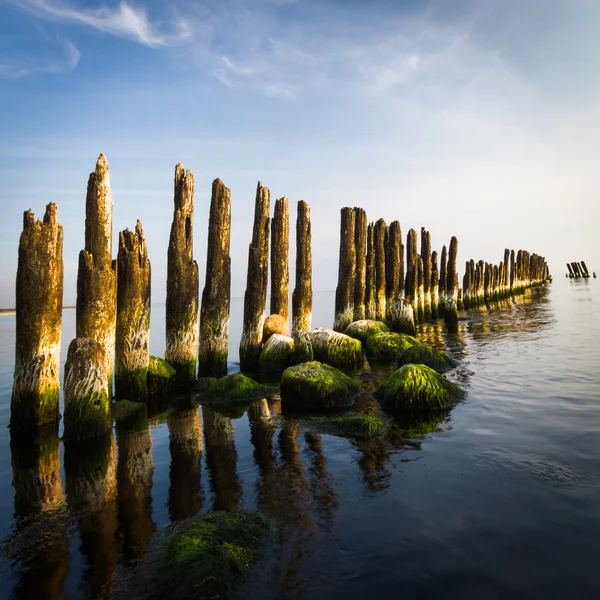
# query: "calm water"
(499, 498)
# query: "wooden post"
(214, 312)
(380, 230)
(39, 292)
(585, 269)
(182, 282)
(96, 315)
(133, 316)
(420, 288)
(302, 295)
(280, 270)
(443, 283)
(412, 284)
(344, 293)
(255, 298)
(435, 285)
(426, 257)
(360, 249)
(370, 304)
(392, 270)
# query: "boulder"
(336, 349)
(425, 355)
(276, 354)
(274, 324)
(388, 347)
(314, 385)
(418, 387)
(364, 329)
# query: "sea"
(497, 498)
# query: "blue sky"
(479, 119)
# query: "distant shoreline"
(12, 311)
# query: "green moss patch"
(389, 347)
(276, 354)
(336, 349)
(362, 330)
(314, 385)
(161, 376)
(88, 417)
(231, 395)
(418, 387)
(424, 355)
(359, 426)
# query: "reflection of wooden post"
(370, 305)
(182, 282)
(133, 316)
(255, 298)
(185, 443)
(380, 230)
(214, 313)
(280, 270)
(360, 249)
(344, 293)
(302, 295)
(39, 292)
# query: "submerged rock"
(314, 385)
(336, 349)
(361, 426)
(161, 376)
(388, 347)
(362, 330)
(274, 324)
(424, 355)
(276, 354)
(233, 388)
(418, 387)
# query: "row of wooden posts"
(375, 282)
(577, 270)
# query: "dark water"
(499, 498)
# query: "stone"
(425, 355)
(276, 354)
(336, 349)
(362, 330)
(275, 324)
(162, 377)
(388, 347)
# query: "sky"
(473, 118)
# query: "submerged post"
(280, 270)
(255, 298)
(344, 293)
(360, 249)
(182, 282)
(426, 257)
(39, 292)
(302, 295)
(96, 314)
(133, 316)
(370, 306)
(214, 313)
(380, 230)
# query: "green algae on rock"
(425, 355)
(361, 426)
(418, 387)
(161, 376)
(388, 346)
(314, 385)
(336, 349)
(362, 330)
(233, 388)
(276, 354)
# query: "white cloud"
(16, 67)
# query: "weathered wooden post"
(467, 286)
(96, 314)
(370, 304)
(412, 283)
(435, 285)
(513, 268)
(585, 269)
(451, 309)
(214, 312)
(133, 317)
(182, 282)
(394, 278)
(360, 249)
(420, 288)
(506, 274)
(87, 403)
(380, 231)
(580, 268)
(255, 298)
(302, 295)
(443, 283)
(39, 291)
(280, 270)
(426, 256)
(344, 293)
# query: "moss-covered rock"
(275, 324)
(359, 426)
(418, 387)
(336, 349)
(388, 347)
(425, 355)
(209, 556)
(362, 330)
(276, 354)
(234, 388)
(161, 376)
(314, 385)
(303, 350)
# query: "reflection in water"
(321, 481)
(134, 477)
(41, 534)
(221, 458)
(185, 443)
(90, 469)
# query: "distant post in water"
(39, 292)
(380, 230)
(182, 282)
(451, 309)
(435, 285)
(420, 288)
(370, 307)
(443, 282)
(302, 295)
(394, 278)
(344, 293)
(96, 314)
(280, 269)
(426, 257)
(255, 298)
(214, 313)
(133, 316)
(360, 249)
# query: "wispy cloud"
(16, 67)
(124, 20)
